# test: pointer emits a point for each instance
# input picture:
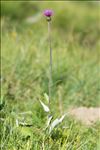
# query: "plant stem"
(50, 68)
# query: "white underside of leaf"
(48, 122)
(17, 123)
(49, 119)
(45, 107)
(56, 122)
(53, 124)
(61, 119)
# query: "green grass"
(76, 78)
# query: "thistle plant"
(50, 124)
(48, 14)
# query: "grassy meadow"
(25, 74)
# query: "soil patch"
(86, 115)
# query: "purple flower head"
(48, 13)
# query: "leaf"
(17, 123)
(46, 97)
(61, 119)
(49, 118)
(56, 122)
(45, 107)
(53, 124)
(24, 124)
(27, 112)
(48, 121)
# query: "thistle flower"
(48, 13)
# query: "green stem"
(50, 68)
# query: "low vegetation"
(24, 76)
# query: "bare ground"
(86, 115)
